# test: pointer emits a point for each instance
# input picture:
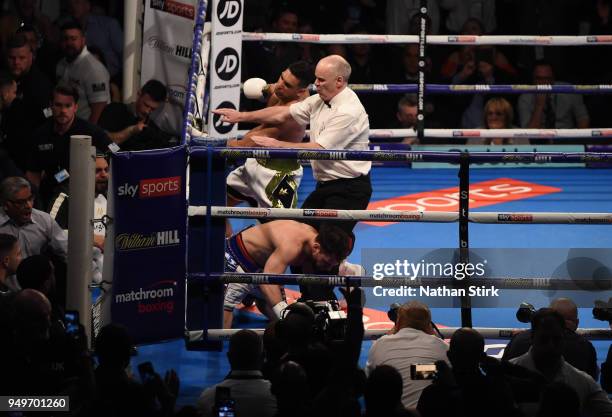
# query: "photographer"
(577, 350)
(346, 381)
(328, 355)
(412, 342)
(464, 390)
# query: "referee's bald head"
(338, 65)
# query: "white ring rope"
(403, 216)
(447, 332)
(431, 39)
(485, 133)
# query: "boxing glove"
(254, 88)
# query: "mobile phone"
(224, 404)
(71, 322)
(423, 371)
(146, 371)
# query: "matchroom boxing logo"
(227, 64)
(228, 12)
(151, 299)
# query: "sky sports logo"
(151, 188)
(174, 7)
(514, 217)
(320, 213)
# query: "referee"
(337, 121)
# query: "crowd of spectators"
(297, 370)
(61, 77)
(58, 78)
(448, 64)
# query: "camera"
(603, 310)
(525, 312)
(392, 313)
(330, 321)
(423, 371)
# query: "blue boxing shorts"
(237, 259)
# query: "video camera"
(329, 322)
(603, 310)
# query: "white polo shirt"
(343, 125)
(89, 76)
(400, 350)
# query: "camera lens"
(525, 312)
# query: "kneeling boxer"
(271, 248)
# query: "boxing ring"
(567, 209)
(558, 213)
(203, 150)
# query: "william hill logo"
(135, 241)
(183, 51)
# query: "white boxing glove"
(278, 308)
(253, 88)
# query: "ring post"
(464, 246)
(206, 248)
(420, 124)
(80, 238)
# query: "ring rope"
(431, 39)
(371, 334)
(482, 88)
(410, 156)
(402, 216)
(486, 133)
(524, 283)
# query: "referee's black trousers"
(343, 194)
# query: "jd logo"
(228, 12)
(220, 126)
(227, 64)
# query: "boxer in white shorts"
(271, 182)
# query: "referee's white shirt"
(343, 125)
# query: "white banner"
(166, 54)
(226, 50)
